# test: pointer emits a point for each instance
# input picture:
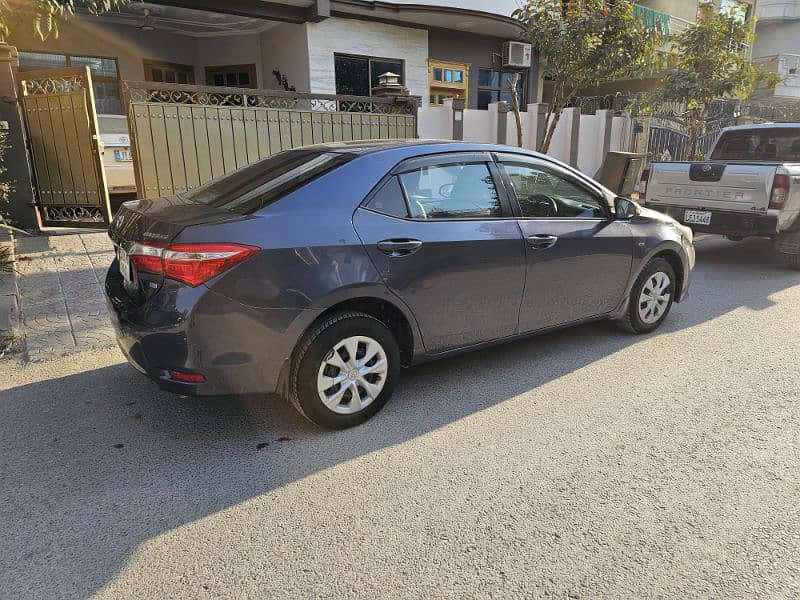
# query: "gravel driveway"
(586, 463)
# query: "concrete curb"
(9, 300)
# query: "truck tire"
(787, 245)
(791, 260)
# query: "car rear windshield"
(255, 186)
(779, 144)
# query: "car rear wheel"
(344, 370)
(651, 298)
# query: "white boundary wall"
(587, 133)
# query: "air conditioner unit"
(517, 55)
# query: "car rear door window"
(544, 193)
(389, 200)
(452, 191)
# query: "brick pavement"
(61, 294)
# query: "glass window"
(105, 75)
(772, 143)
(390, 200)
(106, 98)
(545, 193)
(458, 76)
(352, 75)
(252, 187)
(100, 67)
(437, 74)
(379, 67)
(29, 61)
(452, 191)
(357, 75)
(494, 86)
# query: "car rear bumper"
(237, 349)
(724, 222)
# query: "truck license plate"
(697, 217)
(124, 265)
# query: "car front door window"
(543, 193)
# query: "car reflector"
(184, 377)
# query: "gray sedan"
(319, 272)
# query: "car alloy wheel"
(352, 375)
(655, 298)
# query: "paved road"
(586, 463)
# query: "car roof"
(762, 126)
(414, 146)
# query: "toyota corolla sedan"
(319, 272)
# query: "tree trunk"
(515, 107)
(554, 110)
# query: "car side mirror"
(624, 209)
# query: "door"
(578, 257)
(442, 236)
(65, 146)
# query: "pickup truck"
(750, 186)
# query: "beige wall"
(285, 48)
(127, 44)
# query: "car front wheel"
(344, 370)
(651, 298)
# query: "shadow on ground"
(97, 463)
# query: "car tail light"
(185, 377)
(191, 264)
(780, 191)
(643, 183)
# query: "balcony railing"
(788, 67)
(664, 23)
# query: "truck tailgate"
(711, 186)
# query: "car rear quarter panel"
(311, 257)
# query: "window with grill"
(494, 86)
(242, 76)
(166, 72)
(104, 70)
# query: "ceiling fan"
(148, 24)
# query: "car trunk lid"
(154, 223)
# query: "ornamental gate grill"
(61, 123)
(183, 135)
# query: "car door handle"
(541, 242)
(399, 247)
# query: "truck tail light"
(192, 264)
(780, 191)
(642, 189)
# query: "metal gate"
(60, 118)
(183, 135)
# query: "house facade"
(439, 49)
(777, 46)
(312, 65)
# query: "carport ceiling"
(401, 13)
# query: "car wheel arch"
(399, 321)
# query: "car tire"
(642, 315)
(324, 357)
(791, 260)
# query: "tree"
(45, 14)
(712, 63)
(584, 43)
